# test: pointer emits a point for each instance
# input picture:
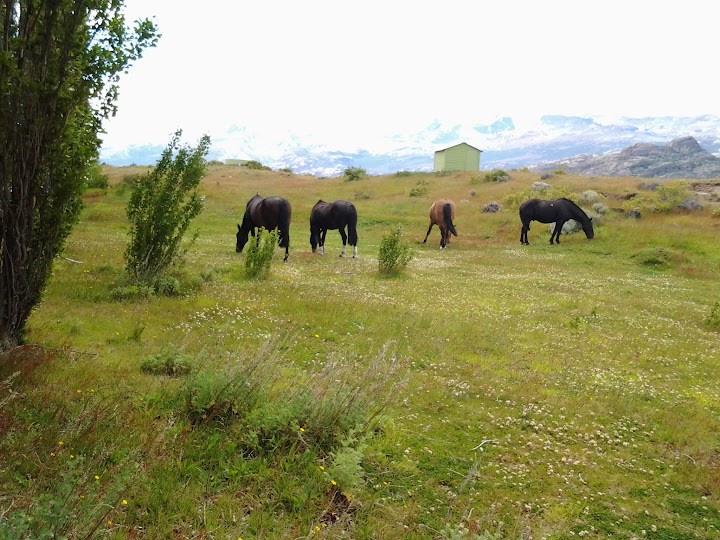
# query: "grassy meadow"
(489, 391)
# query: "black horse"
(268, 212)
(558, 211)
(335, 215)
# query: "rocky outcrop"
(680, 158)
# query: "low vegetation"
(492, 391)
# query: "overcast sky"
(354, 74)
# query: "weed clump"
(421, 188)
(497, 175)
(168, 361)
(712, 321)
(394, 254)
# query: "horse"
(268, 212)
(335, 215)
(442, 213)
(558, 211)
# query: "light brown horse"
(442, 213)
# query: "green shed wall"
(461, 157)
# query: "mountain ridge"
(680, 158)
(505, 144)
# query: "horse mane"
(575, 205)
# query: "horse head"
(587, 228)
(241, 238)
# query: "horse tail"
(447, 214)
(352, 227)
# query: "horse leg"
(443, 236)
(321, 237)
(344, 240)
(524, 233)
(428, 233)
(285, 241)
(557, 231)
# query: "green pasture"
(491, 390)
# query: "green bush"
(514, 200)
(497, 175)
(259, 254)
(394, 254)
(95, 177)
(169, 361)
(713, 319)
(256, 165)
(422, 187)
(352, 174)
(667, 197)
(160, 210)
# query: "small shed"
(461, 157)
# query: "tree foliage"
(161, 207)
(60, 62)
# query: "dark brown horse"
(442, 213)
(335, 215)
(268, 212)
(558, 211)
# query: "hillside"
(680, 158)
(490, 390)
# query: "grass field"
(492, 390)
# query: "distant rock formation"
(680, 158)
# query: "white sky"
(349, 74)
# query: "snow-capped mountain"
(504, 144)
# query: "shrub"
(712, 321)
(160, 210)
(394, 254)
(667, 197)
(558, 172)
(95, 177)
(403, 173)
(259, 254)
(169, 361)
(352, 174)
(422, 187)
(256, 165)
(476, 179)
(497, 175)
(514, 200)
(363, 195)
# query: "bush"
(667, 197)
(352, 174)
(256, 165)
(394, 254)
(259, 254)
(95, 177)
(712, 321)
(168, 361)
(160, 210)
(422, 187)
(514, 200)
(497, 175)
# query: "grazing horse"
(442, 213)
(335, 215)
(268, 212)
(558, 211)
